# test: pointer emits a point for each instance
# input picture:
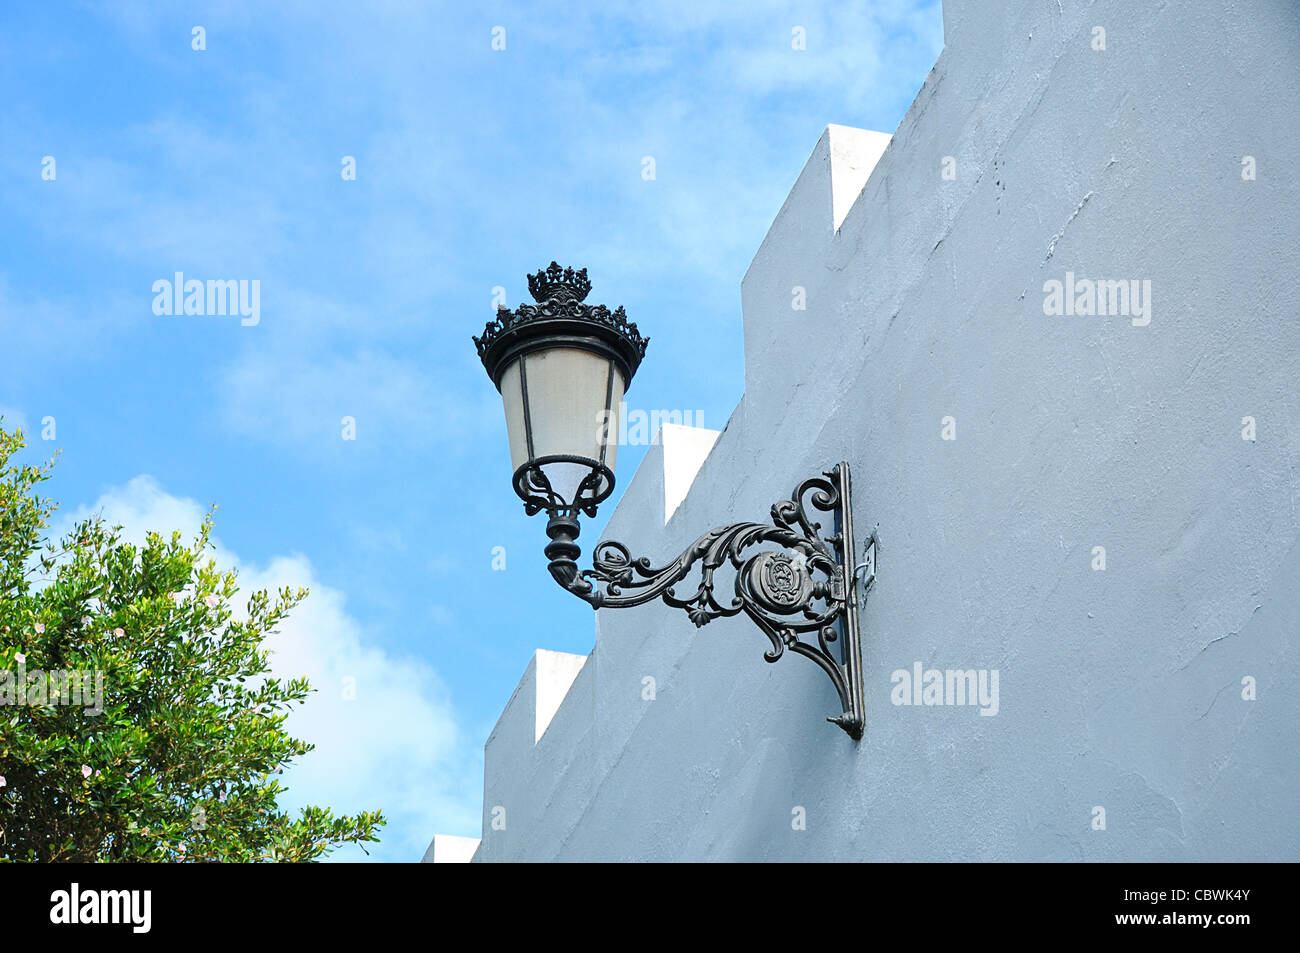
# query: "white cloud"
(11, 418)
(396, 747)
(47, 326)
(282, 398)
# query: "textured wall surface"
(1119, 688)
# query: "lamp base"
(563, 551)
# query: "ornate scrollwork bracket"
(806, 586)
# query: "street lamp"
(562, 367)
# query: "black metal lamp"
(562, 367)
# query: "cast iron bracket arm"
(804, 587)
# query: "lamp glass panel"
(513, 398)
(568, 390)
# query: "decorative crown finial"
(560, 312)
(559, 284)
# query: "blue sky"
(474, 166)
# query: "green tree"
(182, 762)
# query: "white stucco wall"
(1119, 689)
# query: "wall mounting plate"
(867, 568)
